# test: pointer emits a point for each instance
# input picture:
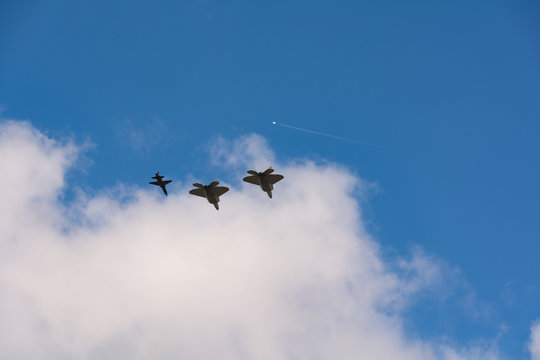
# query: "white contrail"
(325, 134)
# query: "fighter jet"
(265, 179)
(160, 182)
(211, 192)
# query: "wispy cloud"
(142, 138)
(295, 277)
(534, 344)
(248, 151)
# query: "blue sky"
(449, 91)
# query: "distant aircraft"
(265, 179)
(211, 192)
(160, 182)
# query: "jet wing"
(166, 182)
(198, 192)
(274, 178)
(220, 190)
(253, 179)
(154, 183)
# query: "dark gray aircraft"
(211, 192)
(265, 179)
(160, 182)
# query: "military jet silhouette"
(265, 179)
(160, 182)
(211, 192)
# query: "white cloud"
(534, 344)
(295, 277)
(248, 151)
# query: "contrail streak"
(325, 134)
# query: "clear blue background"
(450, 89)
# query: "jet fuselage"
(159, 182)
(211, 195)
(265, 179)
